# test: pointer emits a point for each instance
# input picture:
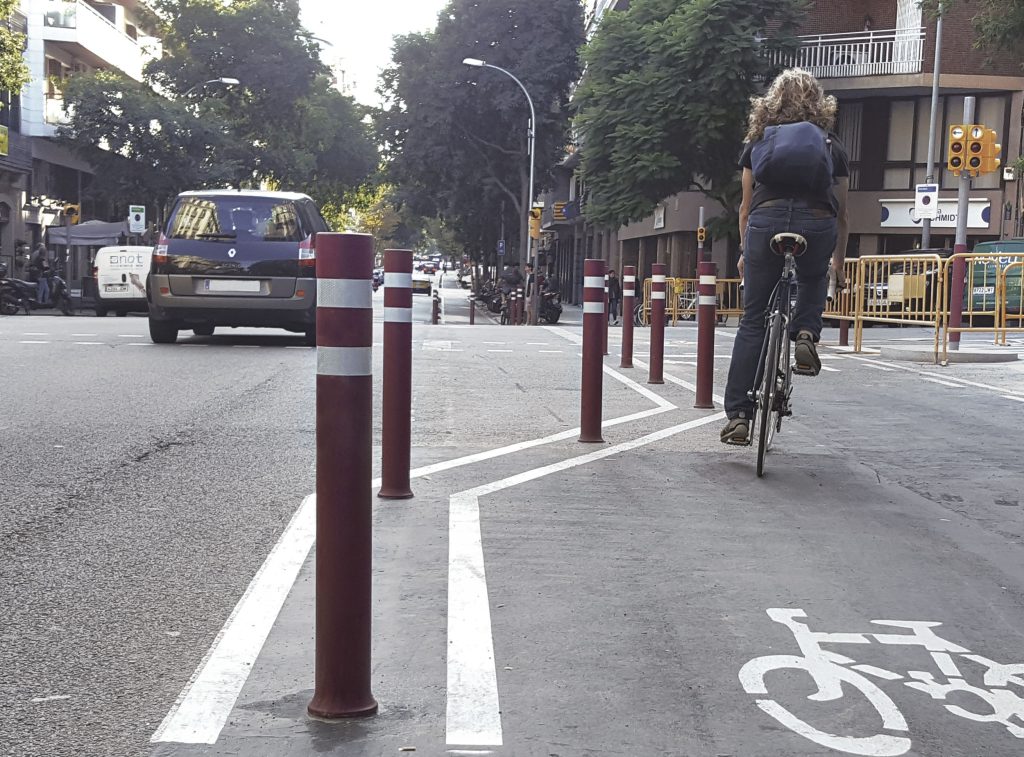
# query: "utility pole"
(959, 264)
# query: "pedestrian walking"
(614, 297)
(41, 261)
(795, 178)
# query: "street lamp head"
(229, 81)
(475, 62)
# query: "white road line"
(139, 344)
(643, 391)
(499, 350)
(495, 342)
(830, 370)
(206, 702)
(880, 368)
(538, 344)
(1010, 397)
(473, 716)
(550, 352)
(45, 333)
(716, 398)
(942, 382)
(124, 336)
(962, 382)
(76, 335)
(29, 341)
(90, 343)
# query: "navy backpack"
(795, 157)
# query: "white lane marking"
(716, 398)
(880, 368)
(495, 342)
(90, 343)
(550, 352)
(681, 362)
(1010, 397)
(538, 344)
(941, 381)
(139, 344)
(46, 333)
(81, 335)
(963, 382)
(29, 341)
(206, 702)
(830, 369)
(499, 350)
(125, 336)
(233, 664)
(51, 698)
(643, 391)
(473, 716)
(192, 344)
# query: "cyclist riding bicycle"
(788, 200)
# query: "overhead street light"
(227, 81)
(531, 133)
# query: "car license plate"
(880, 303)
(232, 285)
(984, 290)
(115, 287)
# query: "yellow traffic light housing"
(957, 150)
(72, 212)
(991, 151)
(975, 148)
(535, 215)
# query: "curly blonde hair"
(795, 95)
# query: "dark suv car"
(235, 258)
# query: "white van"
(121, 279)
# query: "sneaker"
(805, 355)
(736, 431)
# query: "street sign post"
(501, 247)
(926, 201)
(137, 219)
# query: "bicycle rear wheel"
(767, 402)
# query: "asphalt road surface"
(660, 600)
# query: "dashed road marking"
(551, 352)
(123, 336)
(499, 350)
(91, 343)
(29, 341)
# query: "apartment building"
(876, 57)
(40, 177)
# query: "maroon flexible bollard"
(396, 412)
(513, 307)
(344, 444)
(593, 363)
(472, 311)
(435, 308)
(844, 333)
(628, 303)
(522, 306)
(707, 313)
(604, 329)
(657, 361)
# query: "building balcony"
(867, 53)
(53, 111)
(86, 34)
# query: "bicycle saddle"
(789, 243)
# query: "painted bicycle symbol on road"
(998, 703)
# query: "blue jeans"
(43, 290)
(762, 270)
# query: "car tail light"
(307, 255)
(160, 253)
(95, 272)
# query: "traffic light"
(975, 148)
(955, 153)
(72, 212)
(991, 150)
(535, 214)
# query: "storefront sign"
(900, 214)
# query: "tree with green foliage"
(455, 137)
(998, 24)
(663, 105)
(284, 125)
(13, 71)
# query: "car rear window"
(254, 218)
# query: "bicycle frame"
(781, 304)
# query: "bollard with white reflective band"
(707, 314)
(344, 468)
(513, 307)
(604, 329)
(657, 360)
(522, 307)
(396, 421)
(628, 303)
(594, 318)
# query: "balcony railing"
(868, 53)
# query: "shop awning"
(88, 234)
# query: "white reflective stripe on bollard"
(397, 315)
(657, 295)
(658, 278)
(593, 282)
(344, 361)
(593, 307)
(398, 280)
(707, 280)
(353, 294)
(629, 292)
(629, 279)
(705, 299)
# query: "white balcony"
(868, 53)
(53, 111)
(88, 35)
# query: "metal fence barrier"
(897, 289)
(992, 296)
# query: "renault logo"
(232, 252)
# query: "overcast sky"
(360, 32)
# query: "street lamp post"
(531, 133)
(227, 81)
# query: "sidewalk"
(629, 587)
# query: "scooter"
(20, 294)
(551, 307)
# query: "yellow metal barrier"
(842, 306)
(1011, 298)
(681, 302)
(986, 293)
(898, 289)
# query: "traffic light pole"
(926, 224)
(956, 303)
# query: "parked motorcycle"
(550, 307)
(16, 294)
